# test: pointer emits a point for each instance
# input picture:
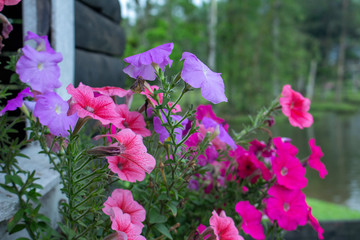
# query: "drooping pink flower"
(315, 224)
(8, 3)
(121, 223)
(149, 95)
(314, 159)
(287, 206)
(133, 120)
(16, 102)
(198, 75)
(134, 161)
(251, 219)
(289, 171)
(6, 29)
(85, 104)
(296, 107)
(123, 199)
(39, 69)
(141, 65)
(52, 111)
(224, 227)
(206, 111)
(113, 91)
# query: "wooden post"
(29, 13)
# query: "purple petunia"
(52, 110)
(16, 102)
(198, 75)
(163, 133)
(42, 42)
(141, 65)
(223, 136)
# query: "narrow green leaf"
(173, 207)
(17, 228)
(17, 217)
(163, 230)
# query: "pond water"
(339, 138)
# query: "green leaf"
(163, 230)
(156, 217)
(17, 228)
(22, 238)
(17, 217)
(173, 207)
(15, 179)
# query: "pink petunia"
(287, 207)
(149, 95)
(113, 91)
(283, 144)
(141, 65)
(224, 227)
(314, 159)
(206, 111)
(251, 219)
(123, 199)
(121, 223)
(198, 75)
(201, 228)
(8, 3)
(296, 107)
(133, 120)
(85, 104)
(315, 224)
(16, 102)
(134, 161)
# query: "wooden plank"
(109, 8)
(43, 17)
(98, 70)
(96, 33)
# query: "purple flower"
(42, 42)
(223, 136)
(163, 133)
(52, 110)
(141, 65)
(198, 75)
(39, 69)
(16, 102)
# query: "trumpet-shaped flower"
(223, 135)
(16, 102)
(315, 224)
(198, 75)
(286, 206)
(52, 110)
(314, 159)
(296, 108)
(39, 69)
(141, 65)
(42, 42)
(133, 120)
(113, 91)
(85, 104)
(123, 200)
(133, 161)
(121, 223)
(206, 111)
(224, 227)
(251, 219)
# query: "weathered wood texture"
(109, 8)
(98, 70)
(97, 33)
(100, 41)
(43, 16)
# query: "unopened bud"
(215, 133)
(104, 151)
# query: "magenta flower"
(296, 108)
(224, 227)
(251, 220)
(52, 110)
(121, 223)
(201, 228)
(85, 104)
(16, 102)
(113, 91)
(198, 75)
(314, 159)
(8, 3)
(315, 224)
(39, 69)
(133, 161)
(150, 95)
(286, 206)
(141, 65)
(123, 199)
(133, 120)
(284, 145)
(206, 111)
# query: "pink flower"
(85, 104)
(141, 65)
(296, 108)
(315, 224)
(121, 223)
(251, 219)
(287, 207)
(133, 120)
(113, 91)
(8, 3)
(150, 95)
(314, 159)
(201, 228)
(206, 111)
(283, 144)
(123, 200)
(198, 75)
(134, 160)
(224, 227)
(16, 102)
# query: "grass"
(329, 211)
